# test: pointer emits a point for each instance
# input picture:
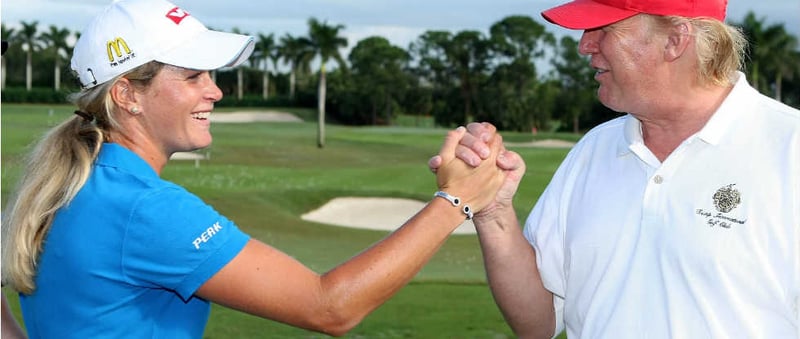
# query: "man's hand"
(473, 149)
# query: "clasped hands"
(474, 164)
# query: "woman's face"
(175, 109)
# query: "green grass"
(265, 175)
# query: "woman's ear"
(678, 39)
(124, 96)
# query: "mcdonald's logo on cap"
(115, 49)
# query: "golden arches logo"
(115, 47)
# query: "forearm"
(266, 282)
(366, 281)
(336, 301)
(514, 278)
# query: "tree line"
(454, 77)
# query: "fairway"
(265, 175)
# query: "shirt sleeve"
(542, 232)
(176, 241)
(545, 230)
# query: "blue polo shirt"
(125, 257)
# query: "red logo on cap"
(177, 15)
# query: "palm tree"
(30, 40)
(770, 54)
(296, 52)
(787, 64)
(239, 72)
(275, 57)
(265, 47)
(56, 39)
(325, 41)
(8, 36)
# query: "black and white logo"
(727, 198)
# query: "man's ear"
(123, 94)
(678, 39)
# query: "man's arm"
(510, 261)
(513, 276)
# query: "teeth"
(201, 115)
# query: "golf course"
(265, 174)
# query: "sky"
(400, 21)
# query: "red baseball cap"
(588, 14)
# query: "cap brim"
(585, 14)
(210, 50)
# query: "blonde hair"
(720, 48)
(54, 172)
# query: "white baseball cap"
(131, 33)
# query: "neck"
(152, 155)
(668, 125)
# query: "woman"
(99, 245)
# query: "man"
(680, 219)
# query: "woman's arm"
(266, 282)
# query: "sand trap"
(187, 156)
(546, 143)
(246, 116)
(385, 214)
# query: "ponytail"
(54, 173)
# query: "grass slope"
(265, 175)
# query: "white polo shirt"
(703, 245)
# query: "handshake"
(474, 167)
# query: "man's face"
(627, 58)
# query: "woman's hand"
(475, 186)
(479, 145)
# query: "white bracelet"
(455, 201)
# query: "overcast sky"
(400, 21)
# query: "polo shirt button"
(658, 179)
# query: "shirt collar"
(115, 155)
(712, 132)
(632, 135)
(737, 101)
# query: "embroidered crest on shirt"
(725, 200)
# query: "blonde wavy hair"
(720, 48)
(54, 172)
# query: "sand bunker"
(245, 116)
(385, 214)
(238, 117)
(546, 143)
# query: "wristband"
(455, 201)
